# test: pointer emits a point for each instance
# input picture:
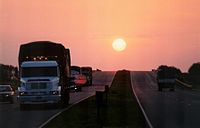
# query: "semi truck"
(44, 69)
(87, 71)
(79, 79)
(166, 77)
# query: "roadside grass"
(120, 110)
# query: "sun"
(119, 44)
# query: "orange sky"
(156, 31)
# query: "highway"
(167, 109)
(12, 117)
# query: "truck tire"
(65, 99)
(159, 88)
(79, 89)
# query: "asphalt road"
(12, 117)
(167, 109)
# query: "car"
(6, 93)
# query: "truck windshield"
(75, 72)
(39, 71)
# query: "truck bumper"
(47, 99)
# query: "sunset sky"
(156, 31)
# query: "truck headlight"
(12, 93)
(22, 93)
(54, 92)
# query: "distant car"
(6, 93)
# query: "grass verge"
(121, 109)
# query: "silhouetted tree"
(194, 74)
(9, 75)
(194, 70)
(165, 71)
(162, 67)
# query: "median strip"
(120, 110)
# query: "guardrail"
(182, 84)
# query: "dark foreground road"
(12, 117)
(179, 109)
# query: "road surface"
(12, 117)
(167, 109)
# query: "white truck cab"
(39, 83)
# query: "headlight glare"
(54, 92)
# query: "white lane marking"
(145, 115)
(113, 76)
(151, 84)
(57, 114)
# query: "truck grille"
(38, 85)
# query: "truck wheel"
(79, 89)
(65, 99)
(159, 88)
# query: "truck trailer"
(166, 77)
(44, 69)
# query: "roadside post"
(106, 92)
(99, 101)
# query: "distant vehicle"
(166, 78)
(6, 93)
(44, 68)
(78, 78)
(87, 71)
(98, 70)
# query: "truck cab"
(79, 79)
(39, 83)
(44, 68)
(87, 71)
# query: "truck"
(79, 80)
(44, 70)
(87, 71)
(166, 77)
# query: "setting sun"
(119, 44)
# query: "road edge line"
(57, 114)
(145, 115)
